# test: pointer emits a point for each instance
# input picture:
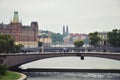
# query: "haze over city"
(81, 16)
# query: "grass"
(10, 76)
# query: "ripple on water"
(72, 76)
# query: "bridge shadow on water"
(72, 70)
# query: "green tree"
(3, 69)
(2, 45)
(94, 39)
(114, 38)
(40, 44)
(57, 38)
(78, 43)
(17, 47)
(6, 43)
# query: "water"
(73, 63)
(71, 76)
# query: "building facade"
(25, 35)
(72, 37)
(103, 37)
(45, 39)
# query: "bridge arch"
(19, 59)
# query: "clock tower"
(15, 26)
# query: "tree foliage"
(57, 38)
(78, 43)
(114, 38)
(7, 44)
(40, 44)
(3, 69)
(17, 47)
(94, 39)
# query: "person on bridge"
(65, 49)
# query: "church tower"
(67, 32)
(63, 30)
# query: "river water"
(73, 63)
(71, 76)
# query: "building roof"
(4, 26)
(27, 28)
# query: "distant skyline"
(81, 16)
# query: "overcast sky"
(82, 16)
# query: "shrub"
(3, 69)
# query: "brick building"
(26, 35)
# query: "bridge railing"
(72, 49)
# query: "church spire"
(15, 18)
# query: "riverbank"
(23, 76)
(10, 75)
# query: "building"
(78, 37)
(71, 38)
(45, 39)
(67, 40)
(103, 37)
(25, 35)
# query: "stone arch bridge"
(12, 60)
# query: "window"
(13, 27)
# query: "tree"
(6, 43)
(114, 38)
(40, 44)
(2, 45)
(78, 43)
(17, 47)
(3, 69)
(94, 39)
(57, 38)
